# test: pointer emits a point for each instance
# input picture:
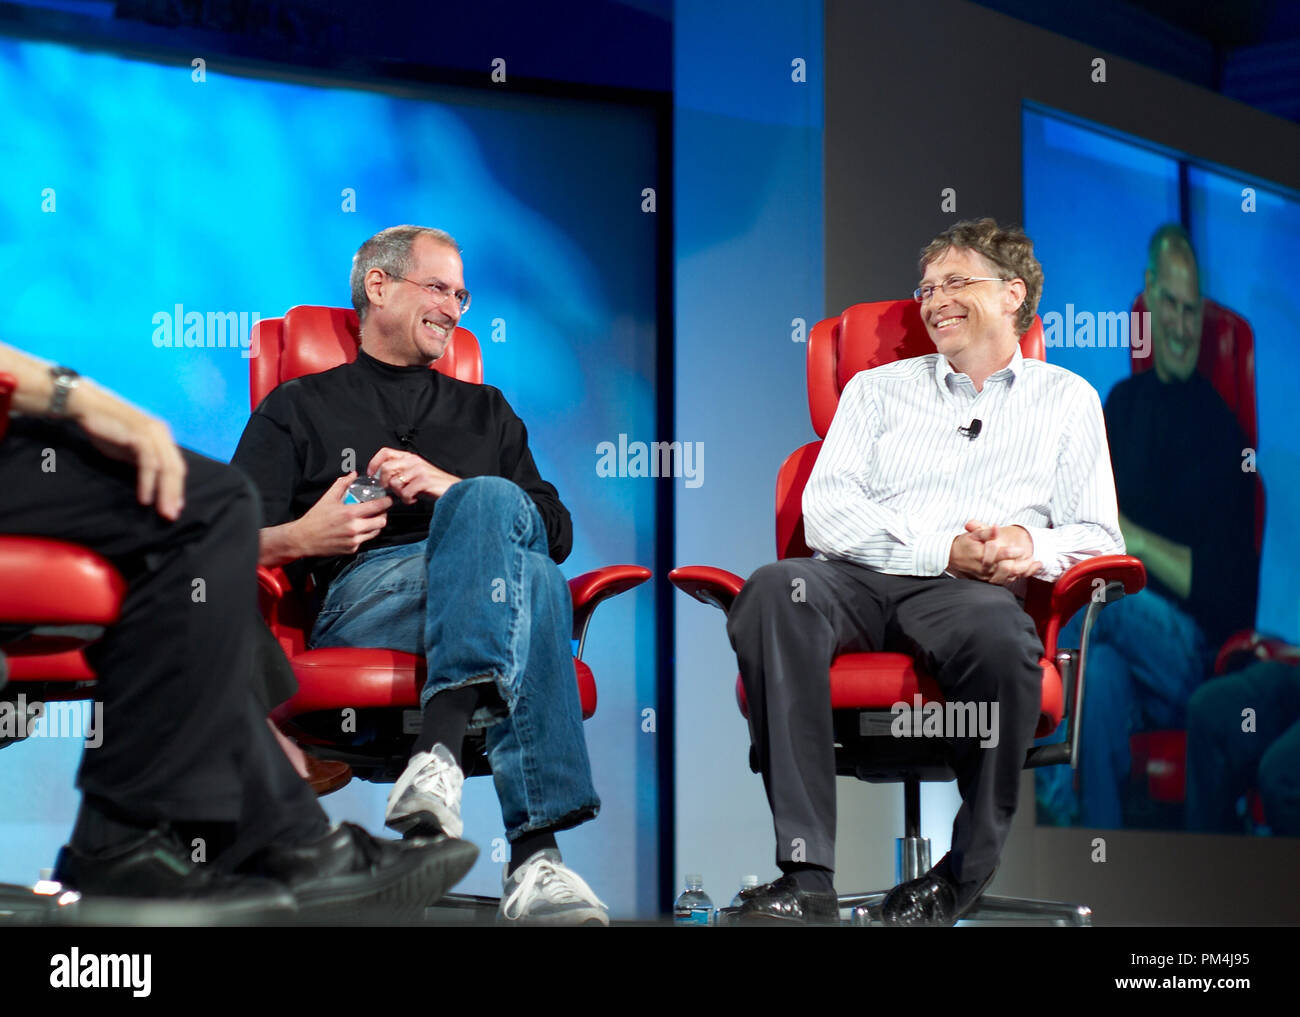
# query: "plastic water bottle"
(693, 907)
(364, 489)
(746, 883)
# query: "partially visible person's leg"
(1234, 724)
(1279, 783)
(175, 671)
(1145, 658)
(492, 613)
(1167, 652)
(185, 746)
(1109, 705)
(498, 623)
(790, 620)
(982, 649)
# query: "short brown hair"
(1008, 249)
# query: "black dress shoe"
(783, 901)
(348, 874)
(157, 867)
(932, 899)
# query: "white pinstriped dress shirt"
(896, 481)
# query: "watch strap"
(65, 380)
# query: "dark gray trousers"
(792, 618)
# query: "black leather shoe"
(932, 899)
(348, 874)
(157, 868)
(783, 901)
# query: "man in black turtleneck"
(1187, 511)
(459, 563)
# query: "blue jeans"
(1227, 756)
(482, 600)
(1145, 659)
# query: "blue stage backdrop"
(137, 196)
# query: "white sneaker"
(545, 891)
(425, 801)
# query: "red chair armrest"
(54, 582)
(272, 587)
(273, 583)
(707, 584)
(590, 588)
(1075, 589)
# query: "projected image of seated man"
(1187, 511)
(457, 563)
(925, 532)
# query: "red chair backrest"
(311, 339)
(1227, 361)
(863, 337)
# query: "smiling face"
(1174, 299)
(978, 319)
(406, 323)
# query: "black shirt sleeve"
(1177, 455)
(266, 453)
(517, 465)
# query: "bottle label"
(691, 916)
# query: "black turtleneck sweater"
(297, 442)
(1177, 451)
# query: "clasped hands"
(408, 476)
(993, 554)
(331, 527)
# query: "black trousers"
(794, 616)
(185, 739)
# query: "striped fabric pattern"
(896, 480)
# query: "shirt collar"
(942, 369)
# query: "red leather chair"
(865, 685)
(381, 686)
(1227, 361)
(56, 598)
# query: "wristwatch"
(65, 380)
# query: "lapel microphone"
(972, 431)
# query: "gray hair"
(390, 251)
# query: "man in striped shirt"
(926, 526)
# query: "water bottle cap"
(694, 880)
(748, 882)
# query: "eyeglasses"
(951, 285)
(440, 291)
